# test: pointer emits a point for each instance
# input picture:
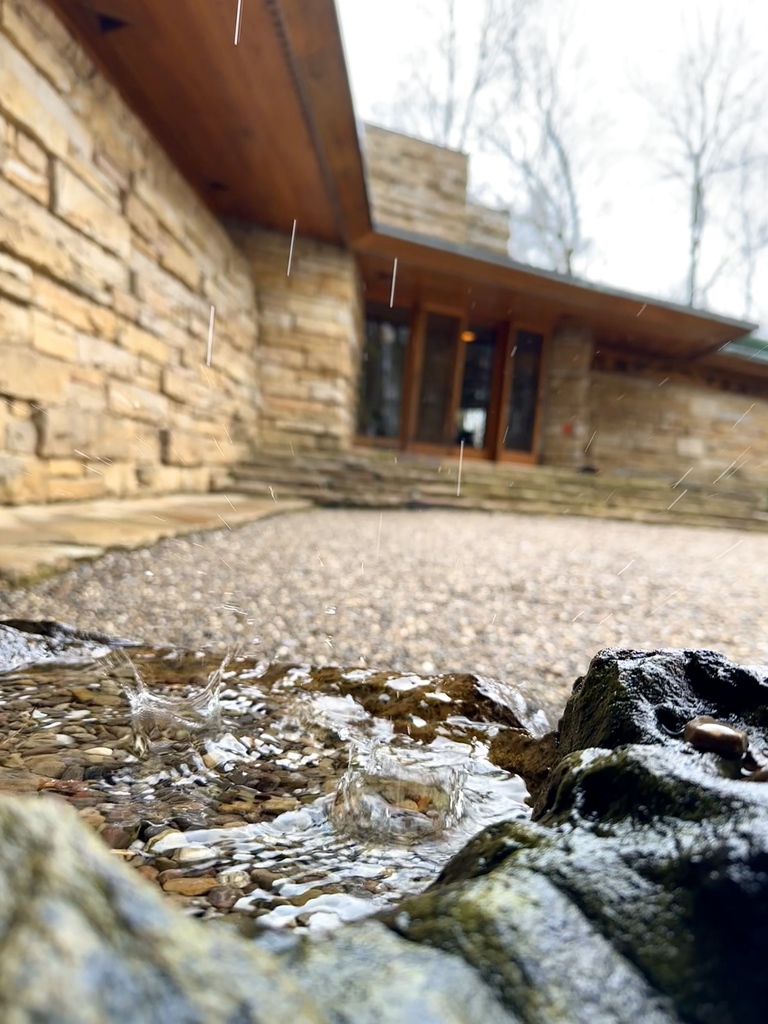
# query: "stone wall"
(487, 228)
(310, 336)
(662, 421)
(566, 411)
(109, 264)
(421, 187)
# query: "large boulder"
(85, 941)
(641, 893)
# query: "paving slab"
(41, 540)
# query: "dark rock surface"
(643, 887)
(24, 642)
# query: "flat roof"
(431, 270)
(264, 130)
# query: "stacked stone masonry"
(310, 331)
(109, 266)
(420, 187)
(659, 420)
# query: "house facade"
(197, 260)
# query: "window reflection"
(381, 378)
(521, 415)
(472, 416)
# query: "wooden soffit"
(264, 130)
(492, 287)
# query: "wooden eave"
(493, 287)
(264, 131)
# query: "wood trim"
(459, 359)
(413, 365)
(497, 387)
(526, 458)
(505, 385)
(663, 327)
(377, 442)
(448, 451)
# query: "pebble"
(194, 854)
(707, 734)
(190, 886)
(236, 878)
(44, 764)
(223, 897)
(279, 804)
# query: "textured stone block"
(81, 207)
(67, 430)
(26, 167)
(30, 100)
(83, 489)
(21, 436)
(15, 279)
(53, 336)
(31, 234)
(106, 356)
(23, 374)
(22, 479)
(126, 400)
(15, 323)
(42, 38)
(81, 312)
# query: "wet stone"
(223, 897)
(705, 733)
(190, 886)
(237, 785)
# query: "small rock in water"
(237, 878)
(48, 765)
(707, 734)
(190, 886)
(119, 837)
(194, 854)
(222, 897)
(280, 804)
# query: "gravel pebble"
(522, 598)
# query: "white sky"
(638, 223)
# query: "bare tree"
(445, 96)
(539, 140)
(747, 227)
(707, 131)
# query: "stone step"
(376, 479)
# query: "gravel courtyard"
(525, 599)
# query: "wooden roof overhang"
(495, 288)
(265, 131)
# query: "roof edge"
(480, 256)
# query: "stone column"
(565, 429)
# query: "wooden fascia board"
(570, 296)
(314, 34)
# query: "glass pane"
(472, 415)
(381, 376)
(526, 362)
(441, 333)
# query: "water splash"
(394, 796)
(158, 717)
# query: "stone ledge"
(37, 541)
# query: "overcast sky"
(638, 223)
